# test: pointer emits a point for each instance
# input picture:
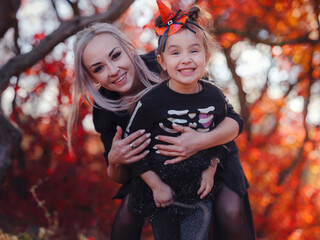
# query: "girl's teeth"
(186, 70)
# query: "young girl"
(180, 189)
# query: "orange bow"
(171, 23)
(170, 20)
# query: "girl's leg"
(164, 229)
(125, 225)
(234, 220)
(196, 225)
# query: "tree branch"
(244, 34)
(53, 3)
(244, 112)
(298, 159)
(22, 62)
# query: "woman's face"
(108, 64)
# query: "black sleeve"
(105, 123)
(141, 119)
(150, 59)
(231, 113)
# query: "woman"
(108, 68)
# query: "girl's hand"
(181, 147)
(128, 150)
(207, 179)
(162, 195)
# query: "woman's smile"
(121, 80)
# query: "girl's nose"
(185, 58)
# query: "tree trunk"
(10, 138)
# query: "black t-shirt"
(158, 109)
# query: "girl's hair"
(196, 16)
(84, 86)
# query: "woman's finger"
(167, 153)
(118, 134)
(133, 136)
(137, 158)
(167, 139)
(138, 141)
(136, 150)
(175, 160)
(178, 127)
(168, 148)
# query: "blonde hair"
(84, 86)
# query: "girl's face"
(108, 64)
(185, 60)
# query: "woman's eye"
(97, 69)
(175, 53)
(194, 51)
(116, 55)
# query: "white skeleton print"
(184, 117)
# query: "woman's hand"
(128, 150)
(181, 147)
(207, 179)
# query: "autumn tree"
(268, 64)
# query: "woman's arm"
(126, 151)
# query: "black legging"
(232, 219)
(232, 216)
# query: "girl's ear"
(161, 62)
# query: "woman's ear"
(207, 58)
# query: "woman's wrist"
(118, 173)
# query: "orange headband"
(171, 23)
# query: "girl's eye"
(116, 55)
(175, 53)
(97, 69)
(194, 51)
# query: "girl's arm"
(190, 141)
(162, 193)
(207, 178)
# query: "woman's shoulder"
(156, 91)
(152, 99)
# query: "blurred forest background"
(268, 66)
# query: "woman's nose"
(113, 69)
